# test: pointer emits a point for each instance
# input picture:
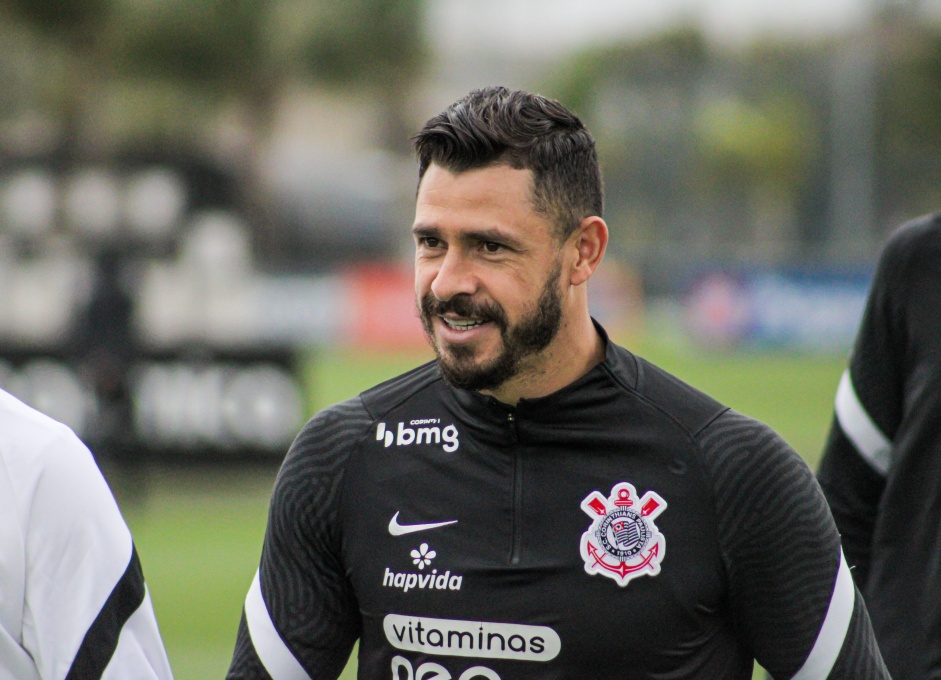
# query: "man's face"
(487, 270)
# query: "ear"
(589, 240)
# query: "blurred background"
(204, 212)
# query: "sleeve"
(791, 596)
(867, 413)
(301, 617)
(87, 611)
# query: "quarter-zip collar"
(501, 424)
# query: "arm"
(867, 413)
(792, 600)
(87, 611)
(301, 617)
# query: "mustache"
(463, 305)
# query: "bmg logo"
(422, 431)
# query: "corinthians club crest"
(623, 542)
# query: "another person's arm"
(867, 413)
(87, 610)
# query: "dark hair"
(494, 126)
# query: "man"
(538, 502)
(73, 602)
(882, 462)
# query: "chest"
(533, 553)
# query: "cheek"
(523, 291)
(424, 276)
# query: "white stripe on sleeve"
(872, 444)
(278, 660)
(833, 631)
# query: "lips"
(460, 319)
(460, 331)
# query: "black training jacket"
(627, 526)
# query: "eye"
(492, 247)
(429, 241)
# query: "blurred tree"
(60, 19)
(908, 136)
(764, 143)
(376, 43)
(202, 58)
(726, 149)
(245, 56)
(636, 98)
(757, 155)
(71, 49)
(710, 146)
(201, 78)
(167, 67)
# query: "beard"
(529, 336)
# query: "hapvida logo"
(430, 581)
(420, 431)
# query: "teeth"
(461, 324)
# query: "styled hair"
(497, 126)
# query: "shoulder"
(341, 425)
(910, 247)
(908, 273)
(26, 429)
(56, 489)
(33, 445)
(308, 494)
(687, 407)
(754, 470)
(737, 440)
(914, 234)
(392, 393)
(722, 436)
(324, 444)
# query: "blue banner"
(799, 309)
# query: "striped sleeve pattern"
(85, 608)
(852, 475)
(791, 595)
(301, 617)
(857, 658)
(101, 640)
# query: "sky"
(544, 26)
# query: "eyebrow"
(474, 236)
(420, 231)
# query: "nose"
(454, 277)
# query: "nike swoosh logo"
(397, 529)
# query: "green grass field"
(199, 532)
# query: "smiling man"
(538, 502)
(488, 273)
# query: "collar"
(499, 423)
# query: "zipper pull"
(511, 421)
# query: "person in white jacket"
(73, 601)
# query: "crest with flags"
(623, 542)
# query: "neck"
(576, 349)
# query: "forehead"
(493, 196)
